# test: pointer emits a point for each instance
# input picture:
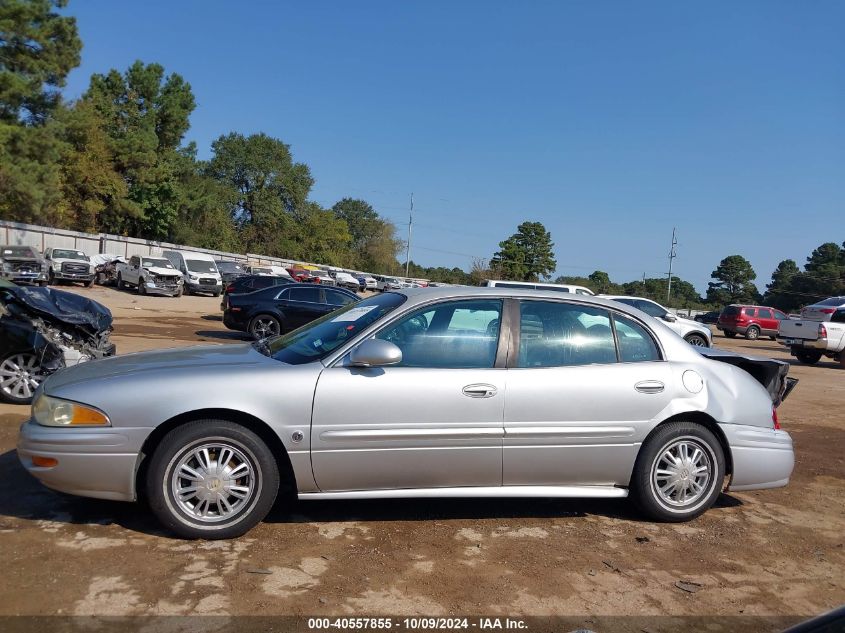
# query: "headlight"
(48, 411)
(193, 277)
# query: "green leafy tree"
(30, 174)
(526, 255)
(779, 293)
(734, 282)
(266, 187)
(145, 116)
(38, 48)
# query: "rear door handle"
(480, 391)
(649, 386)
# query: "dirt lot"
(777, 552)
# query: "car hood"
(157, 270)
(62, 260)
(65, 307)
(141, 365)
(20, 259)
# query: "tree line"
(115, 160)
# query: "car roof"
(421, 295)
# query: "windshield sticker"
(353, 314)
(317, 342)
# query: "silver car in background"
(439, 392)
(691, 331)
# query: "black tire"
(42, 284)
(186, 290)
(178, 292)
(272, 328)
(51, 278)
(215, 294)
(773, 338)
(261, 480)
(697, 340)
(120, 284)
(142, 289)
(90, 284)
(752, 333)
(730, 333)
(808, 357)
(644, 486)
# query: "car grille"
(26, 267)
(170, 283)
(209, 281)
(73, 268)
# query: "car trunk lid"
(770, 373)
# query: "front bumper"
(99, 463)
(23, 278)
(162, 287)
(198, 287)
(86, 277)
(762, 458)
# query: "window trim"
(512, 362)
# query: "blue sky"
(610, 122)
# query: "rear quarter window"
(731, 311)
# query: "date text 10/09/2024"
(416, 623)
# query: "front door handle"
(649, 386)
(480, 391)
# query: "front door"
(301, 305)
(578, 404)
(435, 420)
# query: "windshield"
(150, 262)
(229, 267)
(321, 337)
(61, 253)
(18, 251)
(200, 266)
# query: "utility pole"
(672, 255)
(408, 247)
(643, 280)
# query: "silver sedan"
(438, 392)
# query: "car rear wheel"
(679, 472)
(20, 376)
(90, 283)
(752, 333)
(808, 357)
(730, 333)
(697, 340)
(142, 286)
(212, 479)
(264, 325)
(120, 284)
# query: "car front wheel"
(212, 479)
(752, 333)
(20, 375)
(679, 472)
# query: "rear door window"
(635, 344)
(765, 314)
(651, 308)
(335, 298)
(749, 311)
(308, 295)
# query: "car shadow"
(212, 317)
(224, 335)
(23, 497)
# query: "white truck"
(150, 275)
(819, 332)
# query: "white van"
(536, 285)
(198, 270)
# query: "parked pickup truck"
(810, 338)
(153, 275)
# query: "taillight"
(827, 310)
(775, 419)
(230, 288)
(822, 331)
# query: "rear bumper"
(741, 329)
(99, 463)
(232, 323)
(762, 458)
(819, 344)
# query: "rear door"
(768, 322)
(576, 406)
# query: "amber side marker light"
(44, 462)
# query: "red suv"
(752, 321)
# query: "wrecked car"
(43, 330)
(22, 265)
(105, 268)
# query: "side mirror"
(669, 317)
(375, 353)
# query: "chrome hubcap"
(682, 473)
(265, 327)
(20, 376)
(697, 341)
(213, 481)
